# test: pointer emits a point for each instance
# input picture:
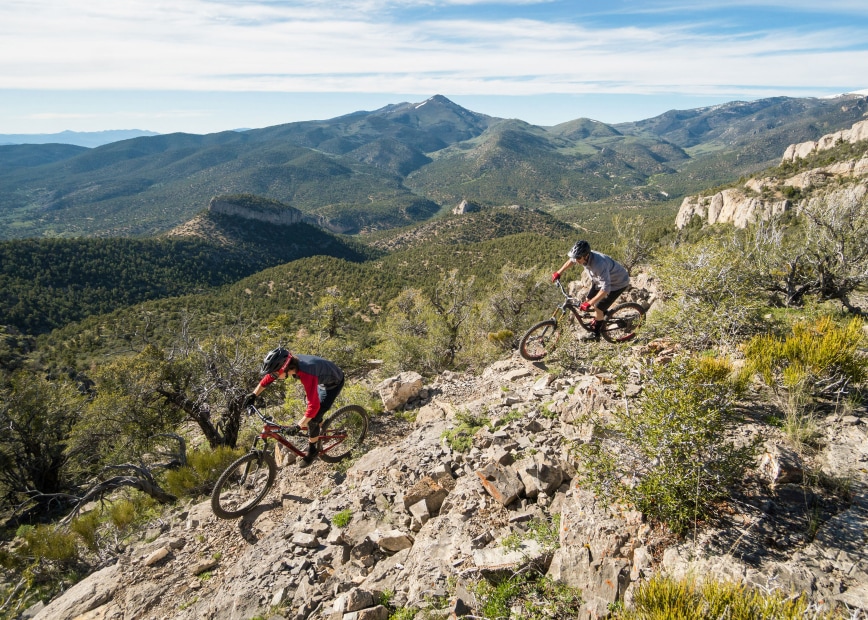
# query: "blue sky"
(208, 65)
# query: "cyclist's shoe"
(597, 326)
(305, 461)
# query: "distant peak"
(440, 99)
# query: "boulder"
(396, 391)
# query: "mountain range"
(89, 231)
(401, 164)
(89, 139)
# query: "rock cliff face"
(283, 217)
(856, 133)
(731, 205)
(465, 207)
(763, 198)
(427, 520)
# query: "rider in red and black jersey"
(322, 380)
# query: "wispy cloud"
(454, 46)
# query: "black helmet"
(580, 249)
(275, 360)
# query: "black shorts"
(606, 301)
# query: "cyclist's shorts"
(608, 300)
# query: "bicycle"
(619, 325)
(246, 481)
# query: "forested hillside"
(48, 283)
(289, 295)
(401, 165)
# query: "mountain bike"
(619, 325)
(246, 481)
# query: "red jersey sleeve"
(266, 381)
(310, 383)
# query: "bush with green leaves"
(49, 542)
(687, 599)
(47, 561)
(342, 518)
(528, 595)
(544, 532)
(460, 437)
(413, 336)
(670, 454)
(818, 359)
(201, 471)
(36, 414)
(818, 356)
(708, 292)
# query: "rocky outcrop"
(466, 207)
(284, 216)
(732, 206)
(427, 520)
(761, 199)
(856, 133)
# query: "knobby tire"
(243, 485)
(351, 420)
(539, 340)
(622, 322)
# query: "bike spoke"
(343, 432)
(539, 340)
(243, 485)
(622, 323)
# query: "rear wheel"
(342, 432)
(539, 340)
(243, 485)
(622, 322)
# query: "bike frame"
(272, 430)
(572, 304)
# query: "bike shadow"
(296, 498)
(248, 521)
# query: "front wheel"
(539, 340)
(622, 322)
(342, 432)
(243, 485)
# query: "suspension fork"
(559, 312)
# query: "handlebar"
(564, 291)
(267, 419)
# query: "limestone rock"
(396, 391)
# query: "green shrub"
(669, 454)
(342, 518)
(404, 613)
(182, 481)
(49, 542)
(86, 526)
(527, 595)
(460, 438)
(202, 470)
(545, 533)
(125, 512)
(665, 597)
(709, 293)
(122, 514)
(819, 356)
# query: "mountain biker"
(608, 279)
(322, 380)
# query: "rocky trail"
(425, 521)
